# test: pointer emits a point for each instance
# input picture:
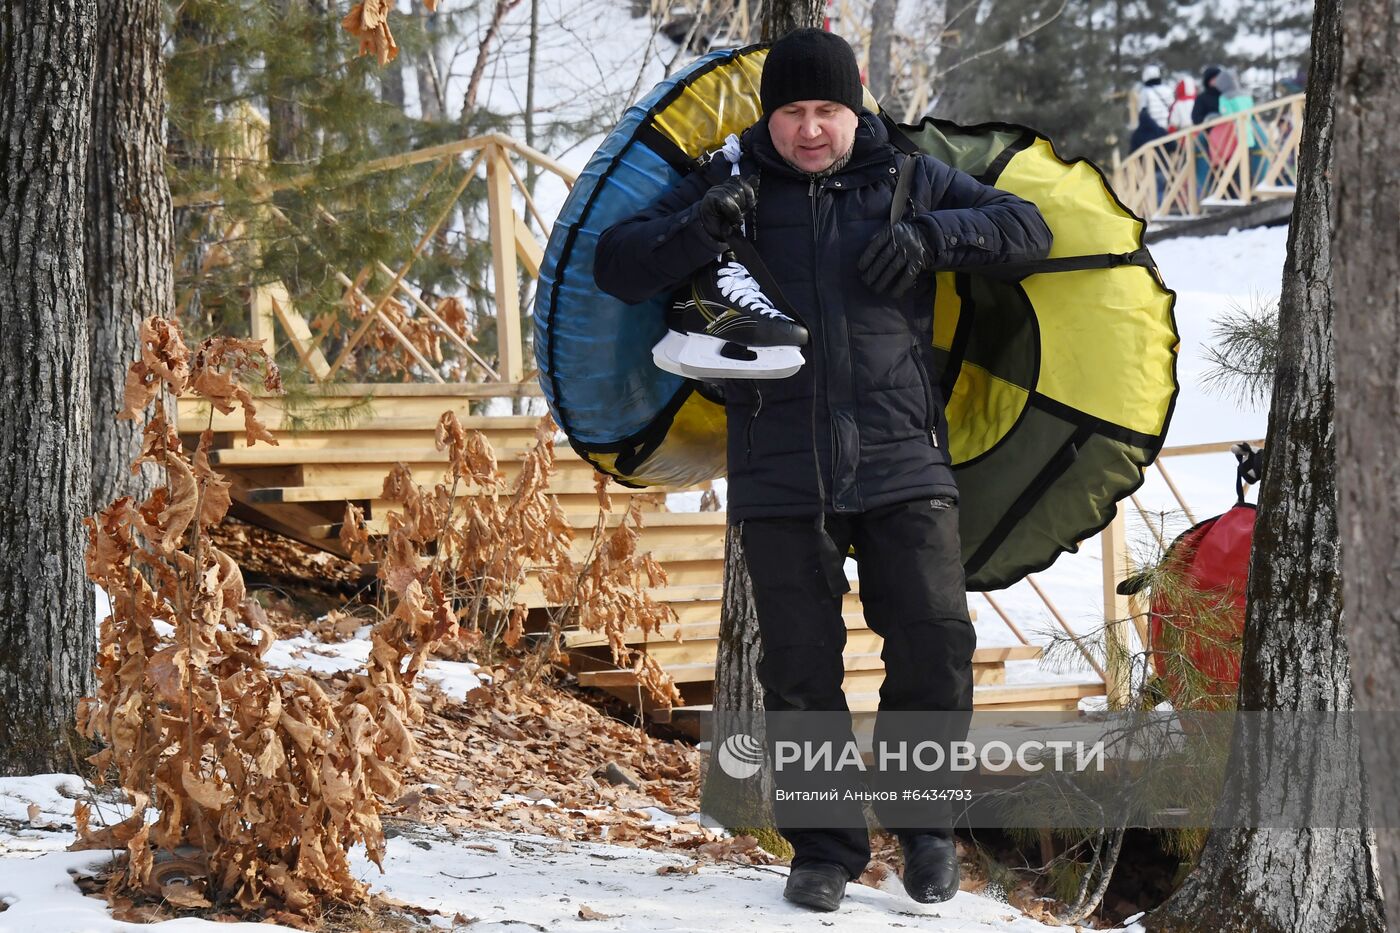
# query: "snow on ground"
(498, 881)
(456, 678)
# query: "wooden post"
(503, 265)
(1192, 183)
(1242, 149)
(261, 324)
(1115, 609)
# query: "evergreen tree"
(1067, 67)
(249, 108)
(1278, 31)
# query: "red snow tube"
(1214, 559)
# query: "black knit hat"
(810, 64)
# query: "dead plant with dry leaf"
(255, 779)
(479, 553)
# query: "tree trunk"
(1368, 396)
(878, 77)
(290, 137)
(130, 271)
(782, 16)
(737, 689)
(47, 635)
(1294, 652)
(432, 100)
(391, 89)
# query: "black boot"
(930, 867)
(818, 885)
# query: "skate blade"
(666, 353)
(704, 357)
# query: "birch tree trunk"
(130, 269)
(781, 16)
(1294, 653)
(432, 98)
(1367, 248)
(47, 635)
(878, 77)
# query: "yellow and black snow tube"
(1060, 384)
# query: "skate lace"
(737, 284)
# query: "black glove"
(895, 259)
(723, 207)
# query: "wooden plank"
(260, 320)
(331, 510)
(303, 342)
(661, 534)
(1048, 697)
(373, 491)
(261, 456)
(864, 679)
(527, 248)
(534, 155)
(389, 416)
(449, 390)
(691, 662)
(506, 278)
(707, 612)
(373, 439)
(707, 630)
(1115, 611)
(425, 474)
(293, 526)
(385, 163)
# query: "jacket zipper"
(834, 438)
(748, 434)
(932, 427)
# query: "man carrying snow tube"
(846, 232)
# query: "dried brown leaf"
(368, 21)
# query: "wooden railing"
(513, 247)
(1228, 161)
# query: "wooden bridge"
(1226, 163)
(343, 433)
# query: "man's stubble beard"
(830, 169)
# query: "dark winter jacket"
(1207, 103)
(867, 400)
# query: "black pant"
(913, 593)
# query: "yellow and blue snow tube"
(1060, 384)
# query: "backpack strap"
(903, 186)
(897, 137)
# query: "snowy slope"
(494, 881)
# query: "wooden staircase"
(324, 460)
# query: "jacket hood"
(1227, 83)
(1185, 89)
(1211, 72)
